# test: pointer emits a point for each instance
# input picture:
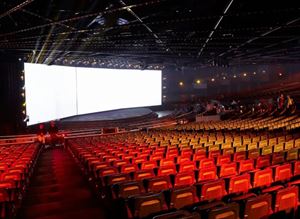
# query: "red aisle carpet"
(58, 190)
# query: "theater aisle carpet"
(58, 190)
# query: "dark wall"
(10, 95)
(226, 80)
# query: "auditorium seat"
(227, 169)
(239, 184)
(206, 163)
(223, 159)
(211, 190)
(263, 178)
(127, 189)
(182, 197)
(229, 211)
(158, 184)
(166, 162)
(143, 174)
(116, 178)
(166, 170)
(107, 171)
(278, 158)
(296, 167)
(145, 205)
(263, 161)
(4, 199)
(184, 179)
(187, 166)
(286, 199)
(283, 172)
(245, 166)
(148, 165)
(128, 168)
(207, 174)
(239, 156)
(257, 207)
(182, 214)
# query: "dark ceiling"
(155, 33)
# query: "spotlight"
(24, 104)
(23, 94)
(198, 81)
(234, 76)
(279, 74)
(212, 79)
(245, 74)
(181, 83)
(254, 73)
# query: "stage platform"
(110, 115)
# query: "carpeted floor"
(58, 190)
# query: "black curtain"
(11, 118)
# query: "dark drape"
(10, 96)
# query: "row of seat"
(269, 123)
(148, 178)
(16, 168)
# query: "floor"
(58, 190)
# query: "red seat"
(296, 168)
(128, 168)
(245, 166)
(138, 160)
(143, 174)
(186, 153)
(263, 178)
(184, 179)
(258, 207)
(207, 163)
(183, 159)
(116, 178)
(286, 199)
(172, 154)
(263, 161)
(238, 184)
(183, 197)
(156, 157)
(145, 205)
(118, 163)
(187, 166)
(214, 154)
(283, 172)
(228, 169)
(207, 174)
(222, 159)
(212, 190)
(239, 156)
(277, 158)
(230, 211)
(166, 162)
(126, 189)
(107, 171)
(166, 170)
(199, 156)
(253, 154)
(158, 184)
(149, 165)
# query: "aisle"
(58, 190)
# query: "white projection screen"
(55, 92)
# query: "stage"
(110, 115)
